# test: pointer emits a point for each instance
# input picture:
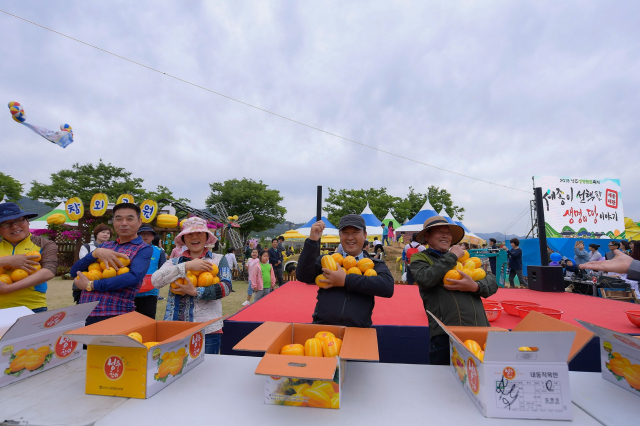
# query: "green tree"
(248, 196)
(164, 192)
(353, 201)
(85, 180)
(10, 188)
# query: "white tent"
(417, 222)
(41, 222)
(472, 238)
(329, 229)
(372, 222)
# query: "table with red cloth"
(403, 327)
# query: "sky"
(498, 90)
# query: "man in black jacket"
(345, 299)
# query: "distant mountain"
(34, 206)
(499, 236)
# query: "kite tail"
(62, 139)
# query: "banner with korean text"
(582, 207)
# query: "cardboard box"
(288, 378)
(118, 365)
(511, 383)
(33, 343)
(624, 347)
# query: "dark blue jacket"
(515, 259)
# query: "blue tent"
(372, 222)
(417, 222)
(455, 219)
(328, 230)
(445, 215)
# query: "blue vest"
(153, 266)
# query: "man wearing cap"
(147, 301)
(459, 304)
(346, 300)
(116, 295)
(16, 243)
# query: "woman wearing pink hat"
(196, 304)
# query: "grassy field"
(59, 296)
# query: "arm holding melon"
(168, 273)
(428, 276)
(18, 261)
(38, 277)
(381, 285)
(309, 266)
(220, 290)
(109, 257)
(137, 270)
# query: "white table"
(54, 397)
(606, 402)
(224, 389)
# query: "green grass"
(59, 296)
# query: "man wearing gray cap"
(346, 300)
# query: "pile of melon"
(10, 276)
(324, 344)
(469, 265)
(198, 279)
(98, 270)
(348, 264)
(478, 350)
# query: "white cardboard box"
(33, 343)
(624, 347)
(515, 384)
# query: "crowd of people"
(342, 299)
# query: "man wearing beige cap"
(458, 304)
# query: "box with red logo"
(33, 343)
(619, 357)
(306, 381)
(524, 373)
(119, 365)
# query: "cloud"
(501, 91)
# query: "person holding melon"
(128, 254)
(27, 261)
(187, 302)
(344, 299)
(454, 301)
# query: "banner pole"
(319, 204)
(542, 233)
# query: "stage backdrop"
(582, 207)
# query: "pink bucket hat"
(192, 225)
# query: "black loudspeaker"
(545, 278)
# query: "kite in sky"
(62, 138)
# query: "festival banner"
(99, 204)
(125, 198)
(149, 210)
(582, 207)
(74, 208)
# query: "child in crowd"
(251, 263)
(262, 277)
(196, 304)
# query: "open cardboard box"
(625, 348)
(33, 343)
(118, 365)
(511, 383)
(288, 379)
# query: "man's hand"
(316, 230)
(5, 288)
(457, 250)
(188, 288)
(465, 284)
(198, 265)
(620, 263)
(19, 261)
(82, 281)
(334, 278)
(110, 257)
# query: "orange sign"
(472, 373)
(509, 373)
(65, 347)
(55, 319)
(113, 367)
(195, 344)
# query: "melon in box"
(524, 373)
(119, 365)
(307, 381)
(33, 343)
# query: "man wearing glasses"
(17, 241)
(613, 245)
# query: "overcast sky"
(497, 90)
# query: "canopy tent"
(446, 216)
(469, 236)
(293, 235)
(330, 239)
(372, 222)
(458, 222)
(328, 230)
(41, 222)
(389, 218)
(417, 222)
